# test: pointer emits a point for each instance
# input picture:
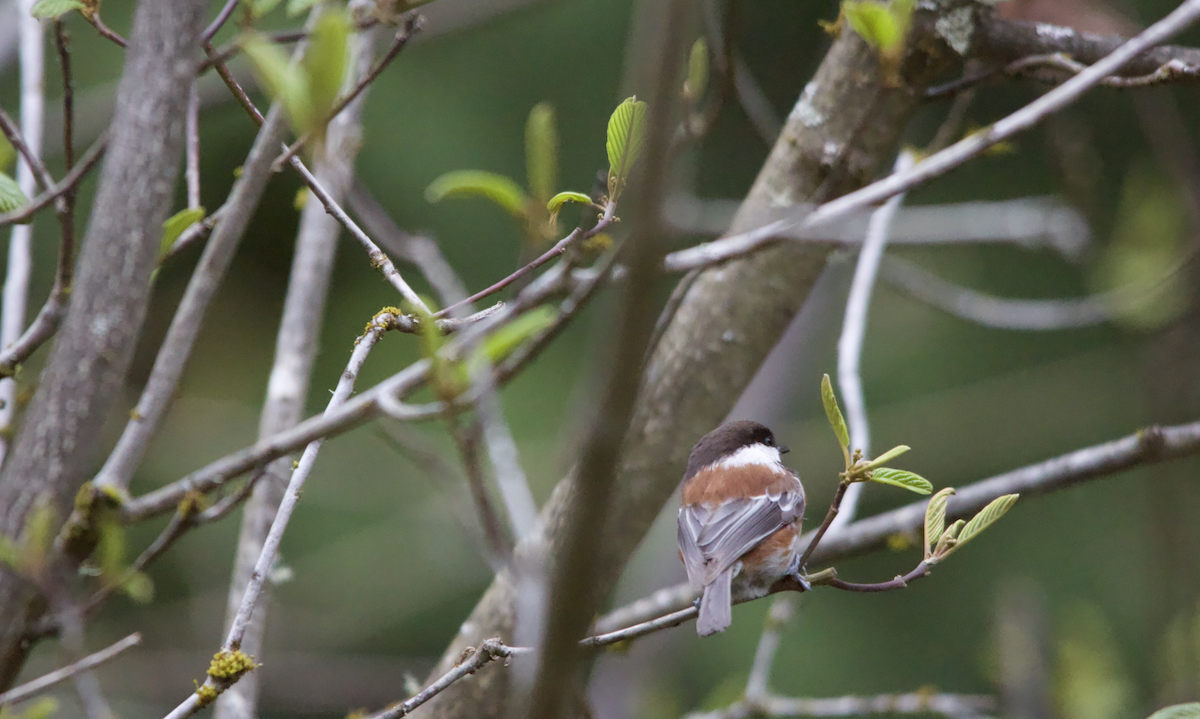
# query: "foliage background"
(382, 574)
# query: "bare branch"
(997, 312)
(44, 682)
(270, 548)
(192, 145)
(68, 184)
(1029, 223)
(471, 661)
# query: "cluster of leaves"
(11, 197)
(884, 27)
(940, 540)
(54, 9)
(537, 211)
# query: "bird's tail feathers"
(716, 605)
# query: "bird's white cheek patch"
(759, 454)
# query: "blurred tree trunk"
(845, 127)
(56, 447)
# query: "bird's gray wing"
(711, 539)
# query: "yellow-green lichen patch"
(228, 666)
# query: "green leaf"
(833, 414)
(511, 336)
(296, 7)
(497, 188)
(874, 22)
(11, 197)
(555, 204)
(110, 550)
(626, 133)
(40, 709)
(55, 8)
(174, 227)
(10, 553)
(1179, 711)
(325, 64)
(935, 518)
(258, 8)
(900, 478)
(7, 153)
(995, 510)
(886, 457)
(283, 82)
(541, 151)
(697, 77)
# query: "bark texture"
(56, 446)
(845, 127)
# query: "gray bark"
(57, 444)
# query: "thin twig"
(44, 682)
(472, 660)
(254, 587)
(412, 25)
(952, 706)
(68, 184)
(854, 332)
(780, 613)
(104, 30)
(218, 21)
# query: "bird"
(739, 518)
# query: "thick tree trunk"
(57, 444)
(844, 128)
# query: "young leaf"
(295, 7)
(874, 22)
(10, 553)
(511, 336)
(935, 518)
(886, 457)
(626, 131)
(697, 77)
(11, 197)
(54, 8)
(7, 153)
(174, 227)
(110, 550)
(541, 151)
(555, 204)
(986, 517)
(497, 188)
(281, 81)
(325, 64)
(832, 413)
(900, 478)
(1179, 711)
(43, 708)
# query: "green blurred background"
(1103, 577)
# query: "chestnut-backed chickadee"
(740, 518)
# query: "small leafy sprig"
(940, 541)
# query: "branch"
(996, 312)
(1029, 223)
(44, 682)
(68, 184)
(1149, 446)
(215, 685)
(470, 663)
